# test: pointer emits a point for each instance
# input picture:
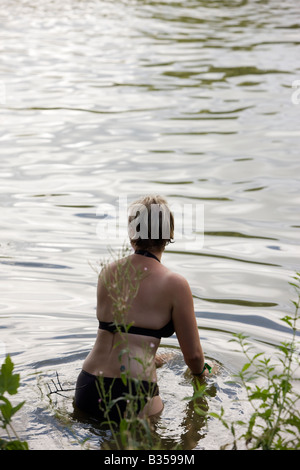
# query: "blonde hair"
(150, 223)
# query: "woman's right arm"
(185, 324)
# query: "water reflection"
(192, 429)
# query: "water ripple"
(194, 100)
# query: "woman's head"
(150, 223)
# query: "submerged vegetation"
(271, 388)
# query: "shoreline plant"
(271, 390)
(9, 384)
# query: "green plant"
(9, 383)
(122, 284)
(270, 387)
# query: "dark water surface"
(193, 100)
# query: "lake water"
(102, 100)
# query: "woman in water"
(155, 303)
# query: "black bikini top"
(164, 332)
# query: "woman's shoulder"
(177, 282)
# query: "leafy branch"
(9, 384)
